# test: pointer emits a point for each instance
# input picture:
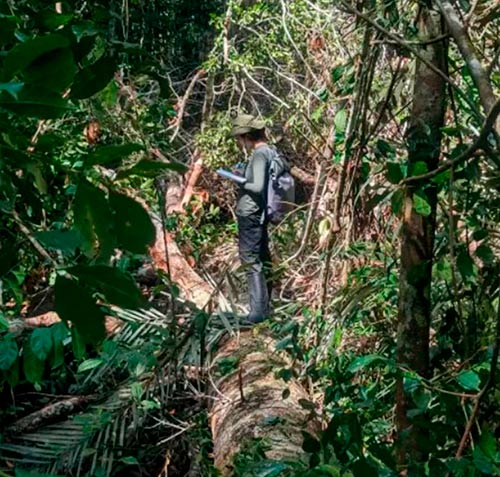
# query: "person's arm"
(259, 167)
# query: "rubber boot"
(259, 299)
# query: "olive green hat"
(244, 123)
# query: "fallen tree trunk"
(171, 261)
(249, 402)
(49, 414)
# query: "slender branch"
(29, 235)
(480, 140)
(309, 222)
(183, 101)
(263, 88)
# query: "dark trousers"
(253, 247)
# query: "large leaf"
(340, 120)
(93, 220)
(465, 264)
(32, 365)
(67, 241)
(119, 288)
(8, 353)
(421, 204)
(362, 362)
(394, 173)
(58, 65)
(112, 154)
(148, 168)
(133, 226)
(25, 53)
(41, 342)
(469, 380)
(35, 102)
(75, 304)
(93, 78)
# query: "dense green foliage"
(87, 98)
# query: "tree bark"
(248, 402)
(417, 240)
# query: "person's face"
(242, 142)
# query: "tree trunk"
(424, 142)
(249, 401)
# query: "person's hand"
(238, 168)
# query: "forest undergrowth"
(119, 274)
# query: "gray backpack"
(280, 189)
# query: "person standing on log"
(253, 239)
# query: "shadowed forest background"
(121, 351)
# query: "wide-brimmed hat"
(245, 123)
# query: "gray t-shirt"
(252, 194)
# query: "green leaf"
(340, 120)
(482, 462)
(32, 365)
(384, 149)
(133, 226)
(12, 88)
(131, 460)
(328, 470)
(480, 234)
(394, 173)
(421, 204)
(93, 219)
(67, 241)
(25, 53)
(36, 102)
(8, 353)
(75, 304)
(89, 364)
(148, 168)
(486, 255)
(93, 79)
(488, 443)
(136, 391)
(41, 343)
(337, 72)
(465, 264)
(4, 323)
(469, 380)
(77, 343)
(112, 154)
(60, 333)
(364, 361)
(118, 287)
(419, 168)
(58, 65)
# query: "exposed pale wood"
(192, 286)
(248, 401)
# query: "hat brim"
(240, 130)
